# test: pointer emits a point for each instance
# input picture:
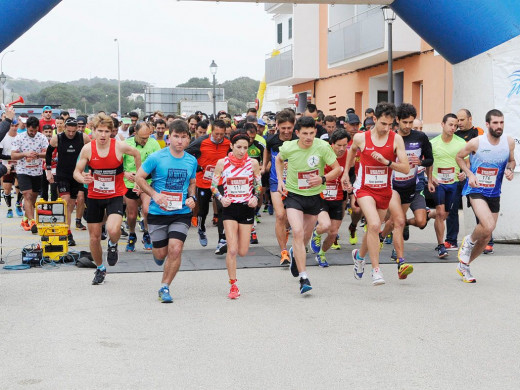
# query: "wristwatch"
(323, 180)
(192, 196)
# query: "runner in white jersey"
(242, 187)
(491, 158)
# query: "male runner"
(285, 123)
(68, 145)
(491, 158)
(306, 159)
(208, 150)
(379, 148)
(28, 149)
(443, 181)
(419, 152)
(172, 198)
(8, 180)
(134, 197)
(106, 187)
(46, 118)
(333, 205)
(159, 136)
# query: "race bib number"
(330, 192)
(487, 177)
(445, 175)
(104, 184)
(376, 177)
(174, 201)
(303, 179)
(208, 172)
(53, 171)
(31, 163)
(237, 187)
(398, 176)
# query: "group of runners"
(306, 169)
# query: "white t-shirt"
(124, 134)
(24, 143)
(7, 144)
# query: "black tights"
(204, 198)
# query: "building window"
(290, 28)
(279, 32)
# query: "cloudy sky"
(164, 42)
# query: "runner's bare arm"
(335, 172)
(471, 146)
(190, 202)
(86, 139)
(216, 179)
(140, 180)
(279, 168)
(124, 148)
(266, 160)
(79, 172)
(257, 178)
(403, 165)
(356, 145)
(512, 162)
(54, 141)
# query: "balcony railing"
(280, 66)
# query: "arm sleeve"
(48, 155)
(194, 148)
(4, 156)
(3, 169)
(427, 153)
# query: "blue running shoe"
(305, 285)
(130, 246)
(393, 256)
(359, 265)
(147, 241)
(9, 213)
(315, 242)
(202, 238)
(322, 260)
(19, 210)
(293, 266)
(441, 251)
(388, 239)
(164, 295)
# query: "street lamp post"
(118, 80)
(389, 15)
(213, 69)
(3, 77)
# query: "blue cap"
(47, 108)
(14, 122)
(261, 122)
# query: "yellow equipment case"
(52, 224)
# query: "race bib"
(208, 172)
(53, 171)
(330, 192)
(237, 187)
(376, 177)
(31, 163)
(303, 179)
(104, 184)
(445, 175)
(487, 177)
(398, 176)
(174, 200)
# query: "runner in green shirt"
(134, 197)
(306, 159)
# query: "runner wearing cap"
(28, 149)
(22, 122)
(68, 146)
(47, 118)
(106, 187)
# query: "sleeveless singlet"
(238, 181)
(488, 164)
(68, 151)
(107, 172)
(372, 176)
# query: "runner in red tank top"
(104, 157)
(373, 188)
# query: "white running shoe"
(377, 277)
(465, 249)
(359, 265)
(465, 273)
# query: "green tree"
(196, 82)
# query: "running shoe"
(464, 252)
(10, 213)
(141, 225)
(123, 232)
(322, 260)
(99, 276)
(221, 247)
(393, 256)
(164, 295)
(359, 265)
(147, 241)
(352, 239)
(381, 242)
(70, 240)
(103, 232)
(234, 292)
(80, 226)
(203, 239)
(19, 210)
(112, 255)
(33, 227)
(441, 251)
(488, 250)
(130, 246)
(305, 285)
(254, 237)
(265, 208)
(270, 209)
(284, 258)
(194, 221)
(315, 242)
(389, 239)
(406, 233)
(403, 269)
(464, 272)
(335, 245)
(293, 266)
(363, 222)
(215, 221)
(450, 247)
(25, 225)
(377, 277)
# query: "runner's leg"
(373, 217)
(94, 232)
(281, 219)
(231, 227)
(483, 231)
